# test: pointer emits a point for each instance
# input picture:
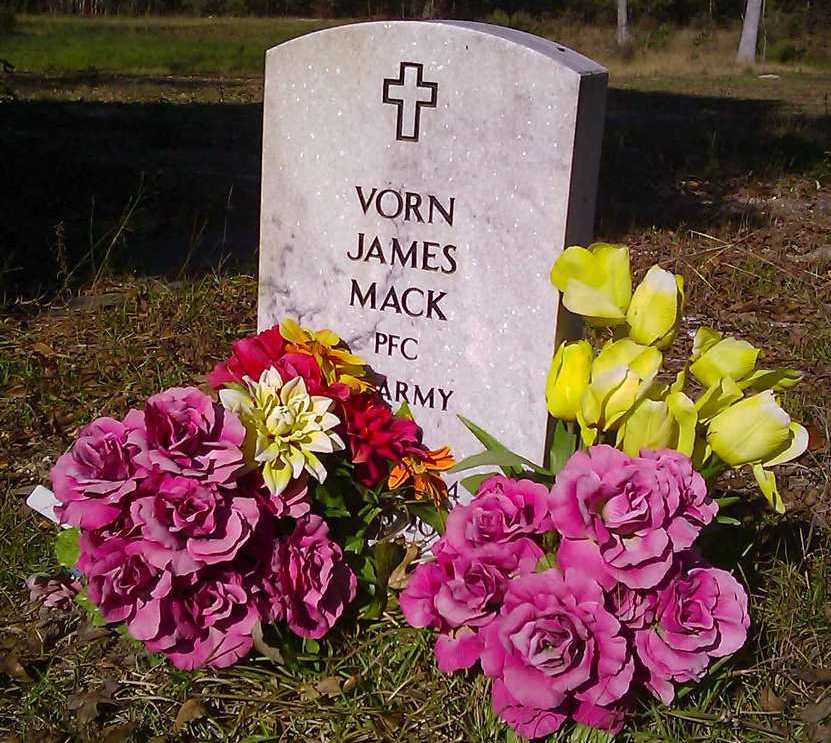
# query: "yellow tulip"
(595, 282)
(715, 357)
(656, 308)
(756, 430)
(621, 376)
(660, 424)
(568, 379)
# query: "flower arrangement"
(198, 521)
(581, 584)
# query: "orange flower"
(422, 471)
(335, 361)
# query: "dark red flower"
(377, 438)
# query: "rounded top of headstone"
(554, 51)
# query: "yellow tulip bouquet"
(721, 409)
(581, 585)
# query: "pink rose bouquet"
(577, 596)
(199, 520)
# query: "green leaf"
(727, 500)
(404, 412)
(510, 462)
(729, 520)
(563, 445)
(66, 547)
(512, 737)
(429, 514)
(586, 734)
(549, 560)
(355, 543)
(333, 502)
(312, 647)
(472, 483)
(92, 612)
(387, 555)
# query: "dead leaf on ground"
(43, 349)
(814, 713)
(118, 733)
(815, 675)
(261, 646)
(328, 686)
(308, 692)
(398, 577)
(351, 683)
(10, 666)
(770, 701)
(191, 710)
(86, 704)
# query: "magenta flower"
(188, 434)
(458, 595)
(185, 523)
(99, 472)
(204, 620)
(53, 592)
(701, 614)
(554, 652)
(623, 519)
(317, 582)
(503, 510)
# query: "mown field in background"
(179, 45)
(130, 153)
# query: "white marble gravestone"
(419, 179)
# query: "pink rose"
(293, 502)
(205, 620)
(95, 476)
(250, 357)
(185, 523)
(120, 585)
(317, 582)
(53, 593)
(458, 595)
(188, 434)
(554, 652)
(700, 614)
(623, 518)
(503, 510)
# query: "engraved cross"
(413, 94)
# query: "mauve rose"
(457, 595)
(53, 593)
(623, 519)
(119, 584)
(553, 652)
(317, 582)
(250, 357)
(633, 607)
(293, 502)
(503, 510)
(205, 620)
(188, 434)
(185, 523)
(94, 477)
(700, 614)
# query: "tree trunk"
(750, 31)
(622, 23)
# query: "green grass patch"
(148, 44)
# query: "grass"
(130, 236)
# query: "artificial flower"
(660, 424)
(337, 363)
(621, 376)
(624, 518)
(700, 614)
(554, 651)
(250, 357)
(568, 379)
(422, 471)
(92, 480)
(595, 282)
(715, 357)
(286, 427)
(377, 438)
(656, 307)
(317, 583)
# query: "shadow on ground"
(163, 188)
